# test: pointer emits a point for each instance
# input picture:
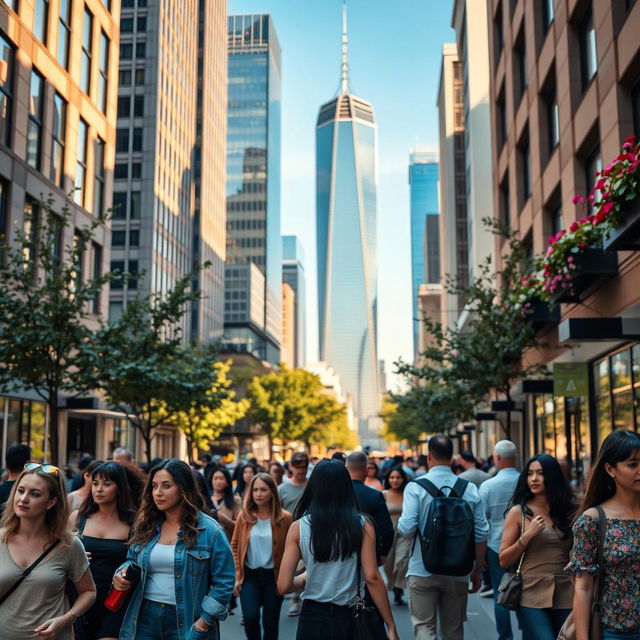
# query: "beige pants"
(433, 600)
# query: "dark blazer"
(372, 503)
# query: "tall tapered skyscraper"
(346, 245)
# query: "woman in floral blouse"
(614, 484)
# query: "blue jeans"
(259, 592)
(610, 634)
(159, 621)
(502, 615)
(542, 624)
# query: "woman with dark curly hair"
(538, 527)
(187, 567)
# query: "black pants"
(324, 621)
(259, 592)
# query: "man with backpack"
(444, 515)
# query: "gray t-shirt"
(41, 595)
(290, 495)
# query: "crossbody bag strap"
(602, 532)
(522, 527)
(28, 570)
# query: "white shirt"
(414, 515)
(260, 549)
(160, 584)
(496, 493)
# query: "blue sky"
(394, 56)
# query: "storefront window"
(36, 435)
(560, 430)
(621, 369)
(13, 423)
(623, 410)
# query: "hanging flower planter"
(543, 314)
(625, 236)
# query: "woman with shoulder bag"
(337, 545)
(538, 527)
(614, 486)
(185, 559)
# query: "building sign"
(571, 379)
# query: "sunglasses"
(45, 468)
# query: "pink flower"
(577, 198)
(574, 227)
(570, 259)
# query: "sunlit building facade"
(293, 274)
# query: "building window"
(134, 238)
(12, 4)
(104, 72)
(96, 272)
(31, 223)
(118, 238)
(124, 106)
(81, 163)
(128, 4)
(498, 31)
(122, 140)
(505, 205)
(134, 212)
(138, 106)
(124, 77)
(635, 104)
(556, 220)
(98, 189)
(588, 51)
(59, 129)
(6, 91)
(36, 106)
(133, 270)
(136, 170)
(64, 33)
(56, 229)
(592, 165)
(137, 139)
(141, 50)
(121, 171)
(501, 115)
(119, 206)
(553, 121)
(140, 76)
(107, 4)
(141, 24)
(548, 14)
(41, 20)
(524, 152)
(87, 48)
(126, 50)
(126, 25)
(520, 60)
(117, 266)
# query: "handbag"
(366, 622)
(568, 630)
(28, 570)
(510, 589)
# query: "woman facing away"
(258, 545)
(330, 535)
(104, 523)
(187, 568)
(614, 486)
(544, 498)
(35, 522)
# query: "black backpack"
(448, 541)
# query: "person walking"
(496, 494)
(226, 502)
(103, 524)
(614, 487)
(34, 534)
(538, 525)
(433, 598)
(76, 498)
(335, 541)
(16, 457)
(394, 485)
(247, 472)
(276, 471)
(290, 493)
(187, 567)
(472, 471)
(373, 476)
(258, 545)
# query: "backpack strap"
(459, 488)
(429, 487)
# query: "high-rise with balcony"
(253, 186)
(58, 81)
(346, 192)
(169, 172)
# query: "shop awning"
(598, 329)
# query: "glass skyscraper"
(253, 180)
(425, 233)
(346, 245)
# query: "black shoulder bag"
(28, 570)
(366, 621)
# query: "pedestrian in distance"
(614, 486)
(187, 567)
(16, 457)
(276, 471)
(496, 494)
(472, 471)
(34, 534)
(77, 497)
(335, 541)
(373, 476)
(258, 545)
(226, 502)
(438, 589)
(247, 471)
(103, 524)
(78, 479)
(538, 525)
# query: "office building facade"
(288, 344)
(253, 171)
(346, 140)
(293, 274)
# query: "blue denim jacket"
(204, 580)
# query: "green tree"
(329, 427)
(46, 308)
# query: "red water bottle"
(115, 598)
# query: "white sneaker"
(294, 610)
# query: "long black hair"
(242, 485)
(402, 472)
(330, 502)
(617, 447)
(559, 496)
(228, 490)
(127, 500)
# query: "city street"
(479, 625)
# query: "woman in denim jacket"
(187, 568)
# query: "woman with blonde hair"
(38, 554)
(257, 545)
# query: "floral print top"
(620, 598)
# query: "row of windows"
(127, 24)
(127, 48)
(120, 201)
(243, 225)
(124, 106)
(122, 140)
(119, 266)
(119, 238)
(126, 76)
(245, 243)
(246, 205)
(235, 295)
(121, 171)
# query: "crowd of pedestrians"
(167, 551)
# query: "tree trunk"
(146, 436)
(54, 440)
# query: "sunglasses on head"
(45, 468)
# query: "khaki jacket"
(240, 541)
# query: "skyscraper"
(425, 233)
(253, 180)
(169, 168)
(346, 245)
(293, 275)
